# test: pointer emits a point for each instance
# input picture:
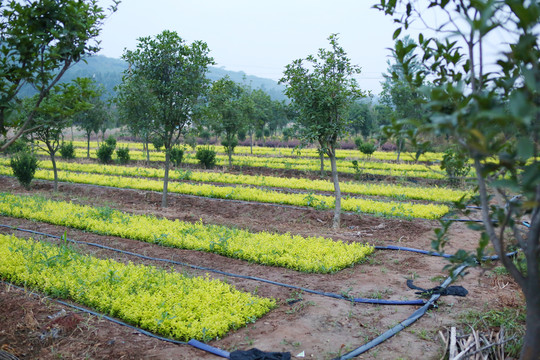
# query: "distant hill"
(108, 71)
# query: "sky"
(259, 37)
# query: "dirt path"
(320, 326)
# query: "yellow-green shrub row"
(301, 164)
(390, 208)
(308, 254)
(163, 302)
(432, 193)
(291, 152)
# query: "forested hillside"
(108, 71)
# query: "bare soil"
(321, 327)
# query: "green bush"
(176, 155)
(123, 155)
(206, 156)
(67, 150)
(24, 165)
(104, 153)
(358, 142)
(367, 148)
(111, 141)
(456, 164)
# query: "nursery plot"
(385, 208)
(318, 326)
(166, 303)
(432, 193)
(291, 152)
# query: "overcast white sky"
(259, 37)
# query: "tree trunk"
(251, 141)
(165, 179)
(531, 346)
(229, 152)
(337, 191)
(321, 156)
(88, 145)
(398, 149)
(54, 171)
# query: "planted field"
(388, 208)
(258, 246)
(163, 302)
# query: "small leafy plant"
(206, 156)
(67, 150)
(24, 165)
(104, 153)
(123, 155)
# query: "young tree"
(228, 103)
(322, 92)
(90, 120)
(56, 113)
(136, 106)
(400, 95)
(39, 41)
(492, 114)
(261, 115)
(175, 75)
(360, 118)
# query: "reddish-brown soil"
(321, 327)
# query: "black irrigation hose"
(247, 277)
(402, 325)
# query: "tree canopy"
(173, 72)
(39, 41)
(491, 112)
(321, 91)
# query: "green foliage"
(367, 148)
(492, 117)
(17, 146)
(67, 150)
(111, 141)
(206, 156)
(176, 155)
(39, 52)
(358, 142)
(229, 145)
(321, 94)
(242, 133)
(456, 164)
(24, 165)
(104, 153)
(173, 74)
(122, 153)
(229, 106)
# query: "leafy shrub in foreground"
(206, 156)
(104, 153)
(176, 155)
(123, 155)
(24, 165)
(67, 150)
